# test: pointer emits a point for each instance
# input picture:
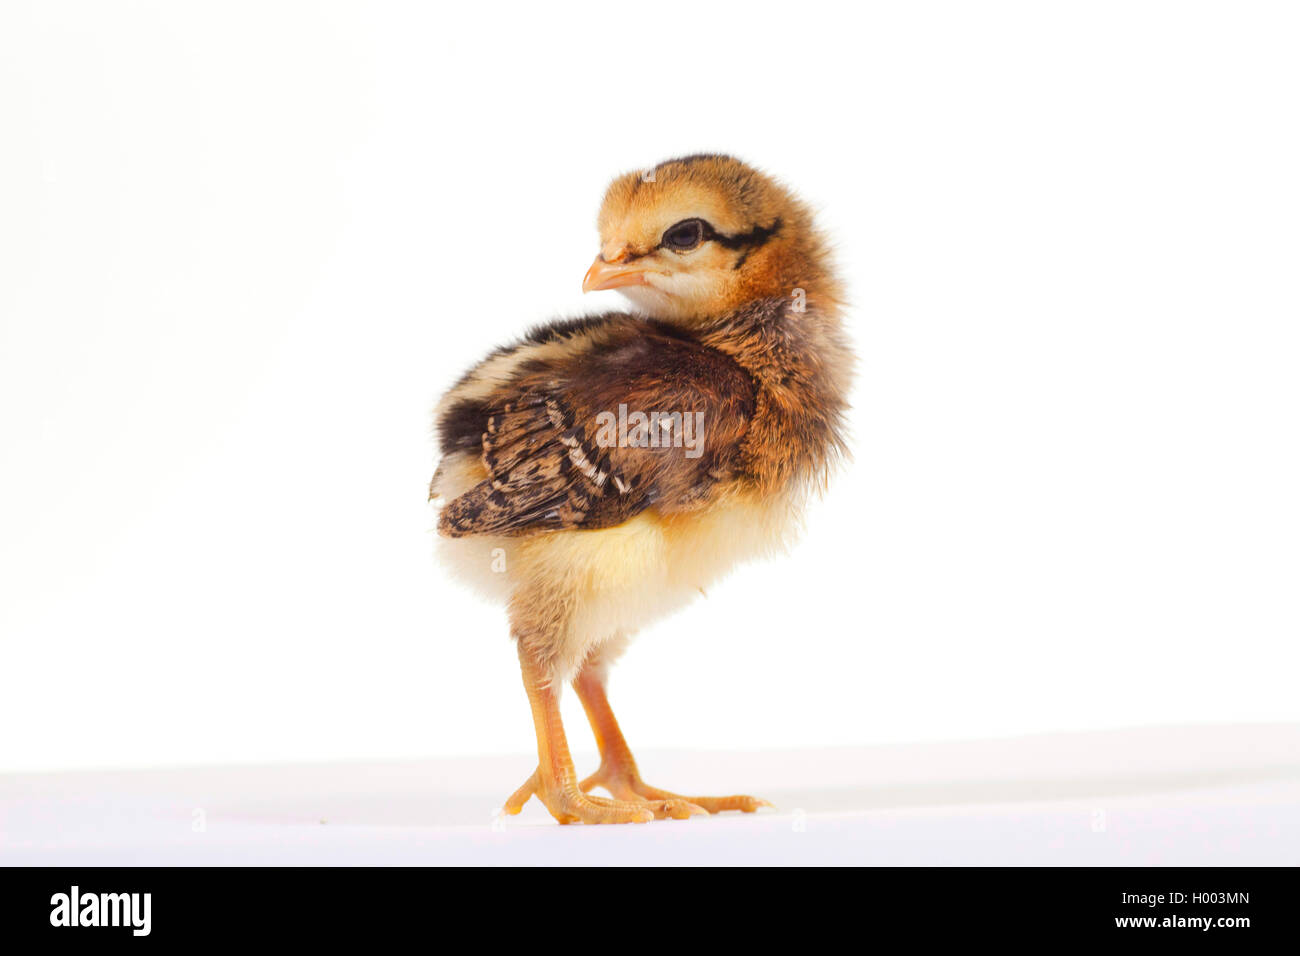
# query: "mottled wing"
(554, 461)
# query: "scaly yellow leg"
(618, 771)
(554, 782)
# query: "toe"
(515, 802)
(741, 802)
(678, 809)
(623, 813)
(603, 810)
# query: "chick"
(601, 472)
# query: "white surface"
(244, 245)
(1161, 796)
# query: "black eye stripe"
(751, 240)
(756, 237)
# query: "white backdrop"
(243, 247)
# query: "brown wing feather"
(550, 468)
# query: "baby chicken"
(601, 472)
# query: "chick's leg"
(618, 771)
(554, 782)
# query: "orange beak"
(612, 275)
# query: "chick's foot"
(625, 784)
(568, 804)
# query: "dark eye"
(687, 234)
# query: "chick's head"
(696, 237)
